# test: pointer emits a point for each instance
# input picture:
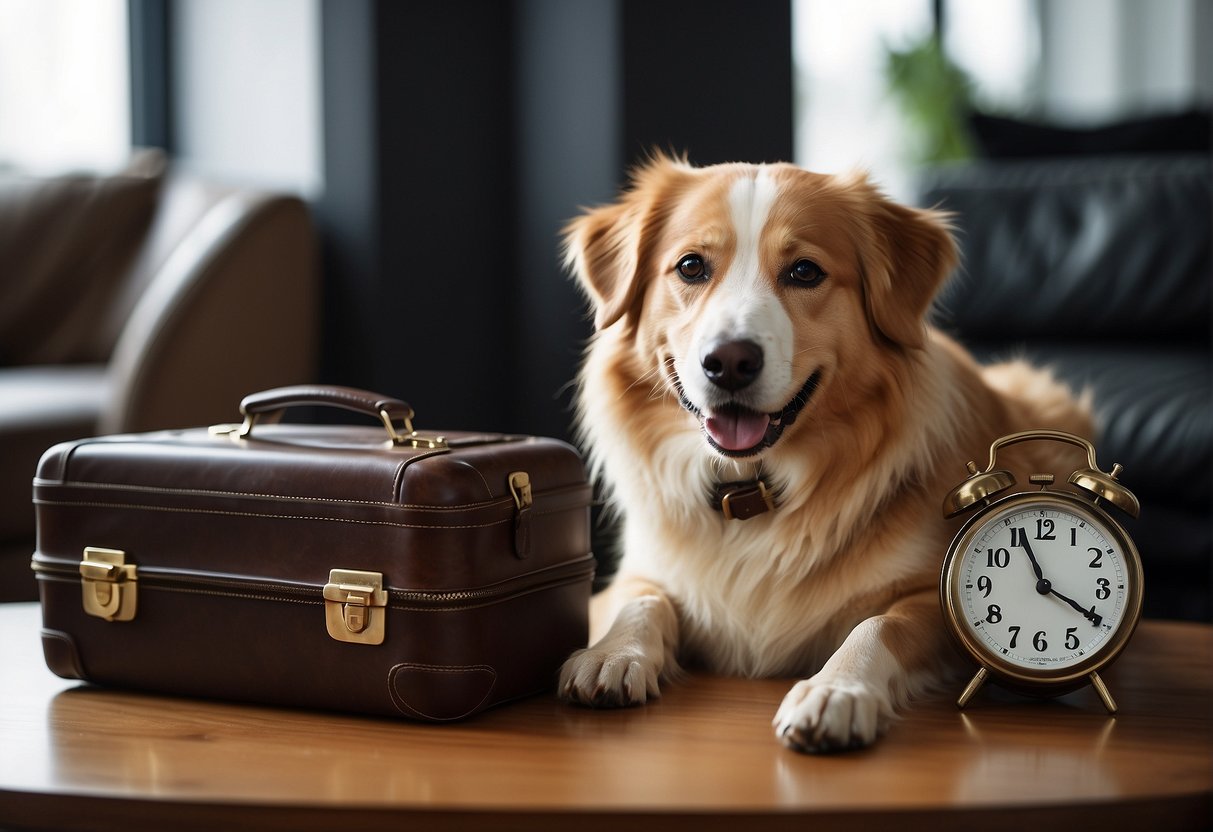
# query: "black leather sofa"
(1101, 268)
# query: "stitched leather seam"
(490, 601)
(202, 492)
(404, 707)
(260, 596)
(547, 512)
(264, 591)
(141, 507)
(251, 596)
(310, 391)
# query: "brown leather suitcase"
(333, 567)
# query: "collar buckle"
(743, 500)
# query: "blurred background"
(421, 158)
(440, 145)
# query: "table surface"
(78, 757)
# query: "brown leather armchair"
(144, 300)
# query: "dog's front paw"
(603, 676)
(820, 715)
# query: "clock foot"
(974, 685)
(1104, 693)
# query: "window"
(64, 84)
(846, 116)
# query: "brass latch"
(355, 606)
(520, 490)
(109, 585)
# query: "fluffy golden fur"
(859, 419)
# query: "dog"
(777, 423)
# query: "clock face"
(1042, 587)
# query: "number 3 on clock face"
(1043, 586)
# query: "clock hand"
(1040, 578)
(1092, 616)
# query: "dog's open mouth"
(737, 431)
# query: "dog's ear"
(912, 255)
(605, 247)
(602, 249)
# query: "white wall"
(246, 91)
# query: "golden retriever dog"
(777, 424)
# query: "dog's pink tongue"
(737, 430)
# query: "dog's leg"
(850, 701)
(624, 665)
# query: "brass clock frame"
(977, 493)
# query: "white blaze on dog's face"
(759, 292)
(747, 296)
(736, 365)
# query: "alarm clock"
(1042, 588)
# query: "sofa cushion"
(66, 244)
(1083, 249)
(1153, 410)
(39, 407)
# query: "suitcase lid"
(320, 462)
(343, 463)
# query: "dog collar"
(742, 500)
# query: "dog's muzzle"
(733, 429)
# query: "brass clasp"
(520, 489)
(108, 584)
(409, 436)
(355, 606)
(524, 498)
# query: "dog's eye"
(806, 273)
(692, 268)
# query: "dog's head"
(753, 291)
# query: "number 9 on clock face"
(1042, 588)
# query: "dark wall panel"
(569, 154)
(416, 208)
(711, 78)
(446, 154)
(347, 212)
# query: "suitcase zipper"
(152, 578)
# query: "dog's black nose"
(733, 364)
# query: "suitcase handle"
(271, 403)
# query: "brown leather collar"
(742, 500)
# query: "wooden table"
(703, 758)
